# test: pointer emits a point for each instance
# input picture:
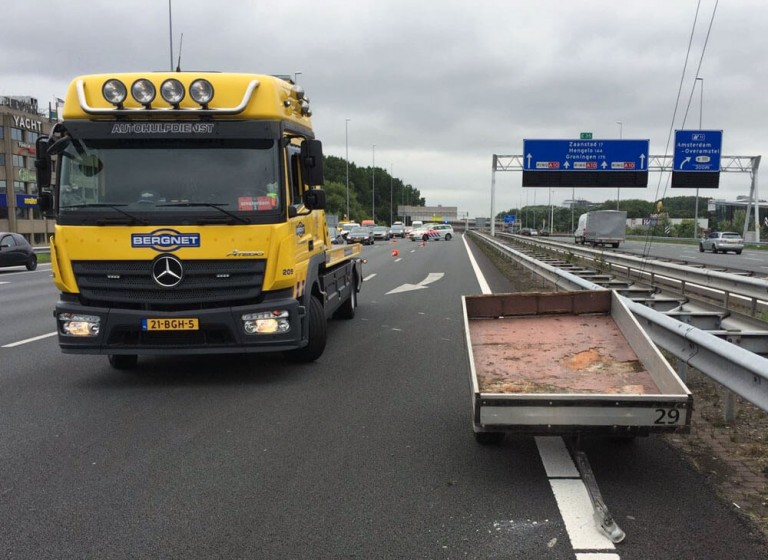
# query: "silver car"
(722, 242)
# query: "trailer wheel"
(123, 361)
(317, 335)
(489, 438)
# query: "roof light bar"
(171, 90)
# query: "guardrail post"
(729, 406)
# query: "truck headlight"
(73, 324)
(267, 322)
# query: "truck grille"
(129, 284)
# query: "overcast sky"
(439, 87)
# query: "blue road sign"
(698, 150)
(509, 218)
(585, 155)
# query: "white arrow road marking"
(431, 277)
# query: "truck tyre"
(347, 309)
(489, 438)
(317, 335)
(123, 361)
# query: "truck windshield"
(166, 180)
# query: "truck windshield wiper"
(115, 207)
(217, 206)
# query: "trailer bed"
(568, 362)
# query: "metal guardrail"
(712, 284)
(735, 368)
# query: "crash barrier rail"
(726, 289)
(735, 368)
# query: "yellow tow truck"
(189, 218)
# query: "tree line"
(370, 190)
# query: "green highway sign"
(586, 136)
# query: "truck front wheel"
(317, 335)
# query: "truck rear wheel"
(347, 309)
(317, 335)
(123, 361)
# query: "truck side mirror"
(45, 202)
(42, 162)
(312, 162)
(314, 199)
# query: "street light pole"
(373, 186)
(391, 170)
(621, 134)
(701, 112)
(346, 142)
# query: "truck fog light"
(79, 325)
(267, 322)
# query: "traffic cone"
(395, 253)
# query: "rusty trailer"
(567, 363)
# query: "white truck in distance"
(601, 227)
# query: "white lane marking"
(4, 282)
(398, 259)
(576, 509)
(431, 277)
(571, 496)
(557, 461)
(28, 340)
(597, 556)
(484, 287)
(369, 277)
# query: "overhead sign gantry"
(585, 163)
(696, 160)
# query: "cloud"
(438, 88)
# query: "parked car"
(544, 233)
(722, 242)
(15, 250)
(528, 231)
(381, 232)
(397, 230)
(360, 235)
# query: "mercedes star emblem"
(167, 271)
